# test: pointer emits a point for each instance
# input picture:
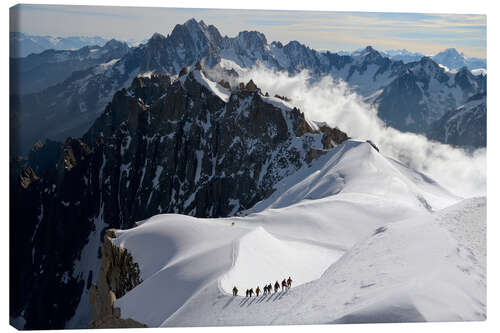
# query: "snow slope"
(412, 270)
(363, 237)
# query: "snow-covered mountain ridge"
(450, 58)
(371, 263)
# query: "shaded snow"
(216, 88)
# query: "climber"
(289, 282)
(276, 286)
(257, 291)
(250, 292)
(235, 291)
(283, 285)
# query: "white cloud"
(333, 102)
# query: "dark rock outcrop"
(373, 145)
(464, 126)
(118, 274)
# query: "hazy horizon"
(325, 30)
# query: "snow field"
(363, 237)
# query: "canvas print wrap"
(201, 167)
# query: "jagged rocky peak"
(369, 49)
(116, 44)
(193, 26)
(143, 81)
(468, 82)
(277, 44)
(225, 84)
(27, 176)
(284, 98)
(464, 71)
(294, 44)
(149, 88)
(157, 37)
(450, 53)
(369, 55)
(368, 52)
(250, 86)
(251, 39)
(297, 50)
(196, 32)
(37, 146)
(427, 62)
(183, 71)
(428, 68)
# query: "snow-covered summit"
(453, 59)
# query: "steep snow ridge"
(354, 204)
(352, 168)
(278, 102)
(216, 88)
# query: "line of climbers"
(285, 285)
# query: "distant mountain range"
(450, 58)
(41, 70)
(22, 45)
(403, 55)
(409, 97)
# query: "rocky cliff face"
(189, 146)
(423, 93)
(118, 274)
(464, 126)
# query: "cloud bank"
(333, 102)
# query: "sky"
(325, 30)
